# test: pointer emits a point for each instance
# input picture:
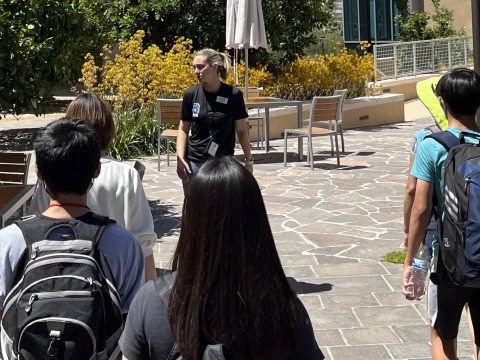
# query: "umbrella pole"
(235, 66)
(246, 72)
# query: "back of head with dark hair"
(67, 155)
(90, 108)
(230, 287)
(460, 90)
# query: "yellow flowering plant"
(133, 77)
(322, 75)
(139, 76)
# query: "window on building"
(350, 20)
(383, 20)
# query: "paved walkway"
(332, 226)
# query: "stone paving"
(331, 226)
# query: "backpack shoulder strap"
(213, 352)
(86, 227)
(163, 284)
(433, 128)
(445, 138)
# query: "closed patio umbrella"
(245, 28)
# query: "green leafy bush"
(415, 25)
(42, 44)
(135, 133)
(396, 257)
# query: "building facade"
(374, 20)
(368, 20)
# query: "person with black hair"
(67, 161)
(213, 112)
(459, 94)
(228, 285)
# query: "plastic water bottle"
(419, 273)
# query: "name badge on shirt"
(195, 109)
(222, 100)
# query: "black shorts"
(451, 300)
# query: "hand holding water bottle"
(414, 276)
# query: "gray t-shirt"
(147, 333)
(122, 251)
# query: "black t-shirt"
(212, 116)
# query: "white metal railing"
(421, 57)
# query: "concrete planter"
(359, 112)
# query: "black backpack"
(459, 230)
(62, 303)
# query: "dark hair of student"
(460, 90)
(67, 155)
(90, 108)
(230, 287)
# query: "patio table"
(268, 103)
(12, 197)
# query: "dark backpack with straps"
(163, 285)
(459, 230)
(62, 303)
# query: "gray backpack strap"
(163, 285)
(213, 352)
(87, 227)
(434, 128)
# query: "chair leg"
(310, 150)
(158, 151)
(168, 152)
(341, 137)
(338, 152)
(261, 135)
(330, 126)
(285, 149)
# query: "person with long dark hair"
(227, 287)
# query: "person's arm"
(242, 133)
(182, 166)
(408, 197)
(419, 219)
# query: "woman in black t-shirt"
(213, 111)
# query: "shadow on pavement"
(17, 139)
(377, 128)
(166, 219)
(308, 288)
(292, 157)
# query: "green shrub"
(397, 257)
(135, 133)
(42, 44)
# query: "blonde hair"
(214, 57)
